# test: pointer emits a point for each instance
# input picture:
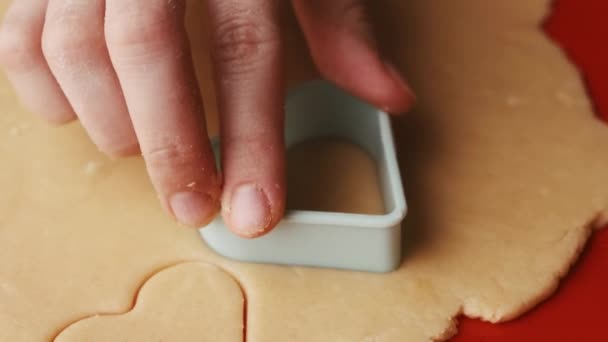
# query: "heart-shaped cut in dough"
(181, 303)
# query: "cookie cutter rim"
(385, 229)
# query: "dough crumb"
(514, 101)
(564, 98)
(92, 167)
(19, 128)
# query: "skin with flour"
(123, 69)
(503, 163)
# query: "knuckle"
(245, 149)
(67, 44)
(60, 119)
(250, 140)
(170, 164)
(140, 27)
(171, 158)
(52, 115)
(240, 41)
(119, 150)
(355, 11)
(19, 47)
(115, 141)
(355, 18)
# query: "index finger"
(150, 53)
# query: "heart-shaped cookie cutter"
(330, 239)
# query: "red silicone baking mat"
(579, 309)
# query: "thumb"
(342, 44)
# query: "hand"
(123, 68)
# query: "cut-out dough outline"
(146, 284)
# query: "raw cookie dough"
(331, 174)
(186, 302)
(503, 162)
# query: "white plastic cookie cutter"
(330, 239)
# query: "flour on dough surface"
(500, 195)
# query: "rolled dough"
(331, 174)
(503, 161)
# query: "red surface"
(579, 309)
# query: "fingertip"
(250, 212)
(376, 82)
(403, 97)
(247, 211)
(186, 181)
(193, 209)
(342, 44)
(364, 74)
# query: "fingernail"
(193, 208)
(249, 211)
(398, 79)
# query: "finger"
(246, 53)
(26, 68)
(342, 45)
(150, 53)
(74, 45)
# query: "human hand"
(124, 69)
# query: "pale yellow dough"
(186, 302)
(504, 167)
(334, 175)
